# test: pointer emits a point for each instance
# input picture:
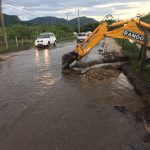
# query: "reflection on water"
(46, 56)
(44, 77)
(37, 56)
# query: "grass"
(27, 44)
(129, 48)
(145, 75)
(13, 48)
(66, 39)
(133, 51)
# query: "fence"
(17, 42)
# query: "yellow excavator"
(133, 29)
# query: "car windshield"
(82, 34)
(43, 36)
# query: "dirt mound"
(6, 57)
(81, 64)
(2, 59)
(102, 73)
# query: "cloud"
(92, 8)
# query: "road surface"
(43, 109)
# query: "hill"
(55, 20)
(11, 19)
(48, 20)
(83, 21)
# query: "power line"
(26, 10)
(14, 5)
(18, 10)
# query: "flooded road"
(43, 109)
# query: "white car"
(45, 39)
(88, 32)
(81, 37)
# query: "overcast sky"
(97, 9)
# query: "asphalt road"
(43, 109)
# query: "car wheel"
(54, 44)
(49, 44)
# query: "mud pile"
(102, 73)
(6, 57)
(2, 59)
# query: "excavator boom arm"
(130, 29)
(93, 39)
(124, 30)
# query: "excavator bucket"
(68, 58)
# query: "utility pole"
(67, 18)
(3, 25)
(78, 20)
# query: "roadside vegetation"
(146, 18)
(132, 50)
(22, 36)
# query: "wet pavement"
(43, 109)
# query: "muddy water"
(43, 109)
